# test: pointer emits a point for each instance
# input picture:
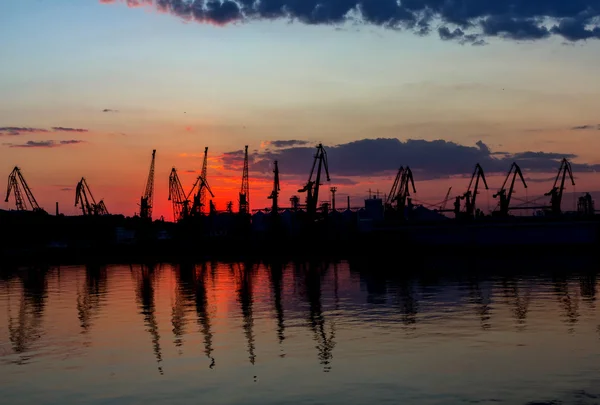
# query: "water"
(299, 333)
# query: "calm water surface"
(299, 333)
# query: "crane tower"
(244, 207)
(147, 200)
(202, 190)
(86, 201)
(312, 186)
(24, 198)
(275, 193)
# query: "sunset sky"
(89, 88)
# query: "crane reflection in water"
(383, 284)
(145, 277)
(407, 303)
(191, 292)
(304, 293)
(26, 327)
(568, 300)
(244, 274)
(276, 274)
(324, 338)
(202, 311)
(480, 300)
(91, 295)
(517, 298)
(587, 284)
(185, 278)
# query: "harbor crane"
(147, 200)
(86, 201)
(505, 198)
(399, 195)
(395, 187)
(24, 199)
(244, 203)
(470, 196)
(202, 192)
(403, 196)
(274, 196)
(445, 202)
(178, 197)
(312, 186)
(556, 193)
(197, 205)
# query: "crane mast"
(445, 202)
(24, 199)
(86, 201)
(470, 196)
(244, 203)
(333, 191)
(312, 186)
(177, 197)
(201, 192)
(505, 198)
(403, 194)
(556, 194)
(147, 200)
(275, 192)
(202, 185)
(395, 187)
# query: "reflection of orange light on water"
(223, 289)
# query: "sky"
(90, 88)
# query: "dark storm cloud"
(235, 160)
(466, 21)
(376, 157)
(262, 167)
(44, 144)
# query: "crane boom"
(445, 202)
(395, 187)
(505, 198)
(201, 184)
(177, 197)
(24, 198)
(147, 200)
(556, 194)
(471, 195)
(400, 191)
(312, 187)
(85, 199)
